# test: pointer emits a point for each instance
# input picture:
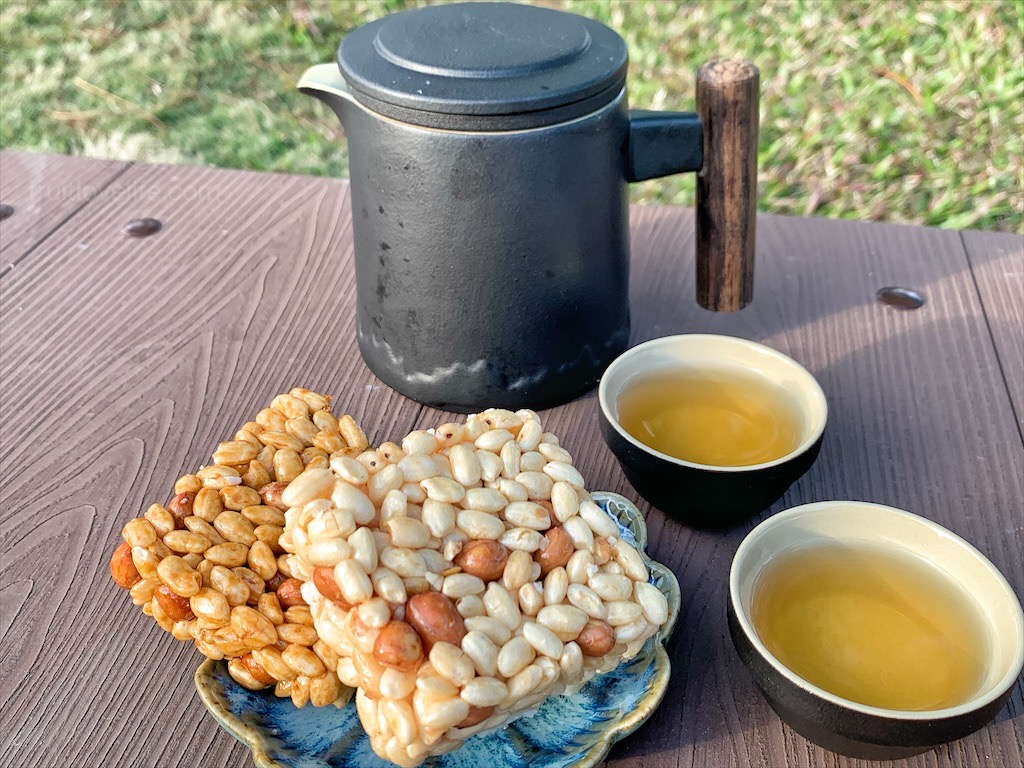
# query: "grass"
(896, 111)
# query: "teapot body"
(491, 267)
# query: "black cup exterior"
(848, 731)
(700, 496)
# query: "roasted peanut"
(602, 552)
(181, 507)
(435, 618)
(597, 638)
(271, 495)
(122, 568)
(476, 715)
(483, 558)
(175, 606)
(279, 578)
(323, 578)
(289, 593)
(257, 672)
(557, 552)
(398, 646)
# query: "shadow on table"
(806, 270)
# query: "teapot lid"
(483, 66)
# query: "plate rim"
(210, 690)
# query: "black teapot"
(490, 149)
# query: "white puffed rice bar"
(463, 577)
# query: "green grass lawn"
(896, 111)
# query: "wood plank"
(45, 191)
(997, 262)
(124, 362)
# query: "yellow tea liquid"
(874, 626)
(723, 417)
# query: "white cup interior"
(852, 522)
(707, 351)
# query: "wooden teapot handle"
(728, 92)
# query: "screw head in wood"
(142, 227)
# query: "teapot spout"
(325, 82)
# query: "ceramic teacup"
(702, 494)
(846, 726)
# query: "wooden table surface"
(125, 359)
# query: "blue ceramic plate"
(575, 730)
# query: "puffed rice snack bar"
(462, 578)
(208, 566)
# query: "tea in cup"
(711, 429)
